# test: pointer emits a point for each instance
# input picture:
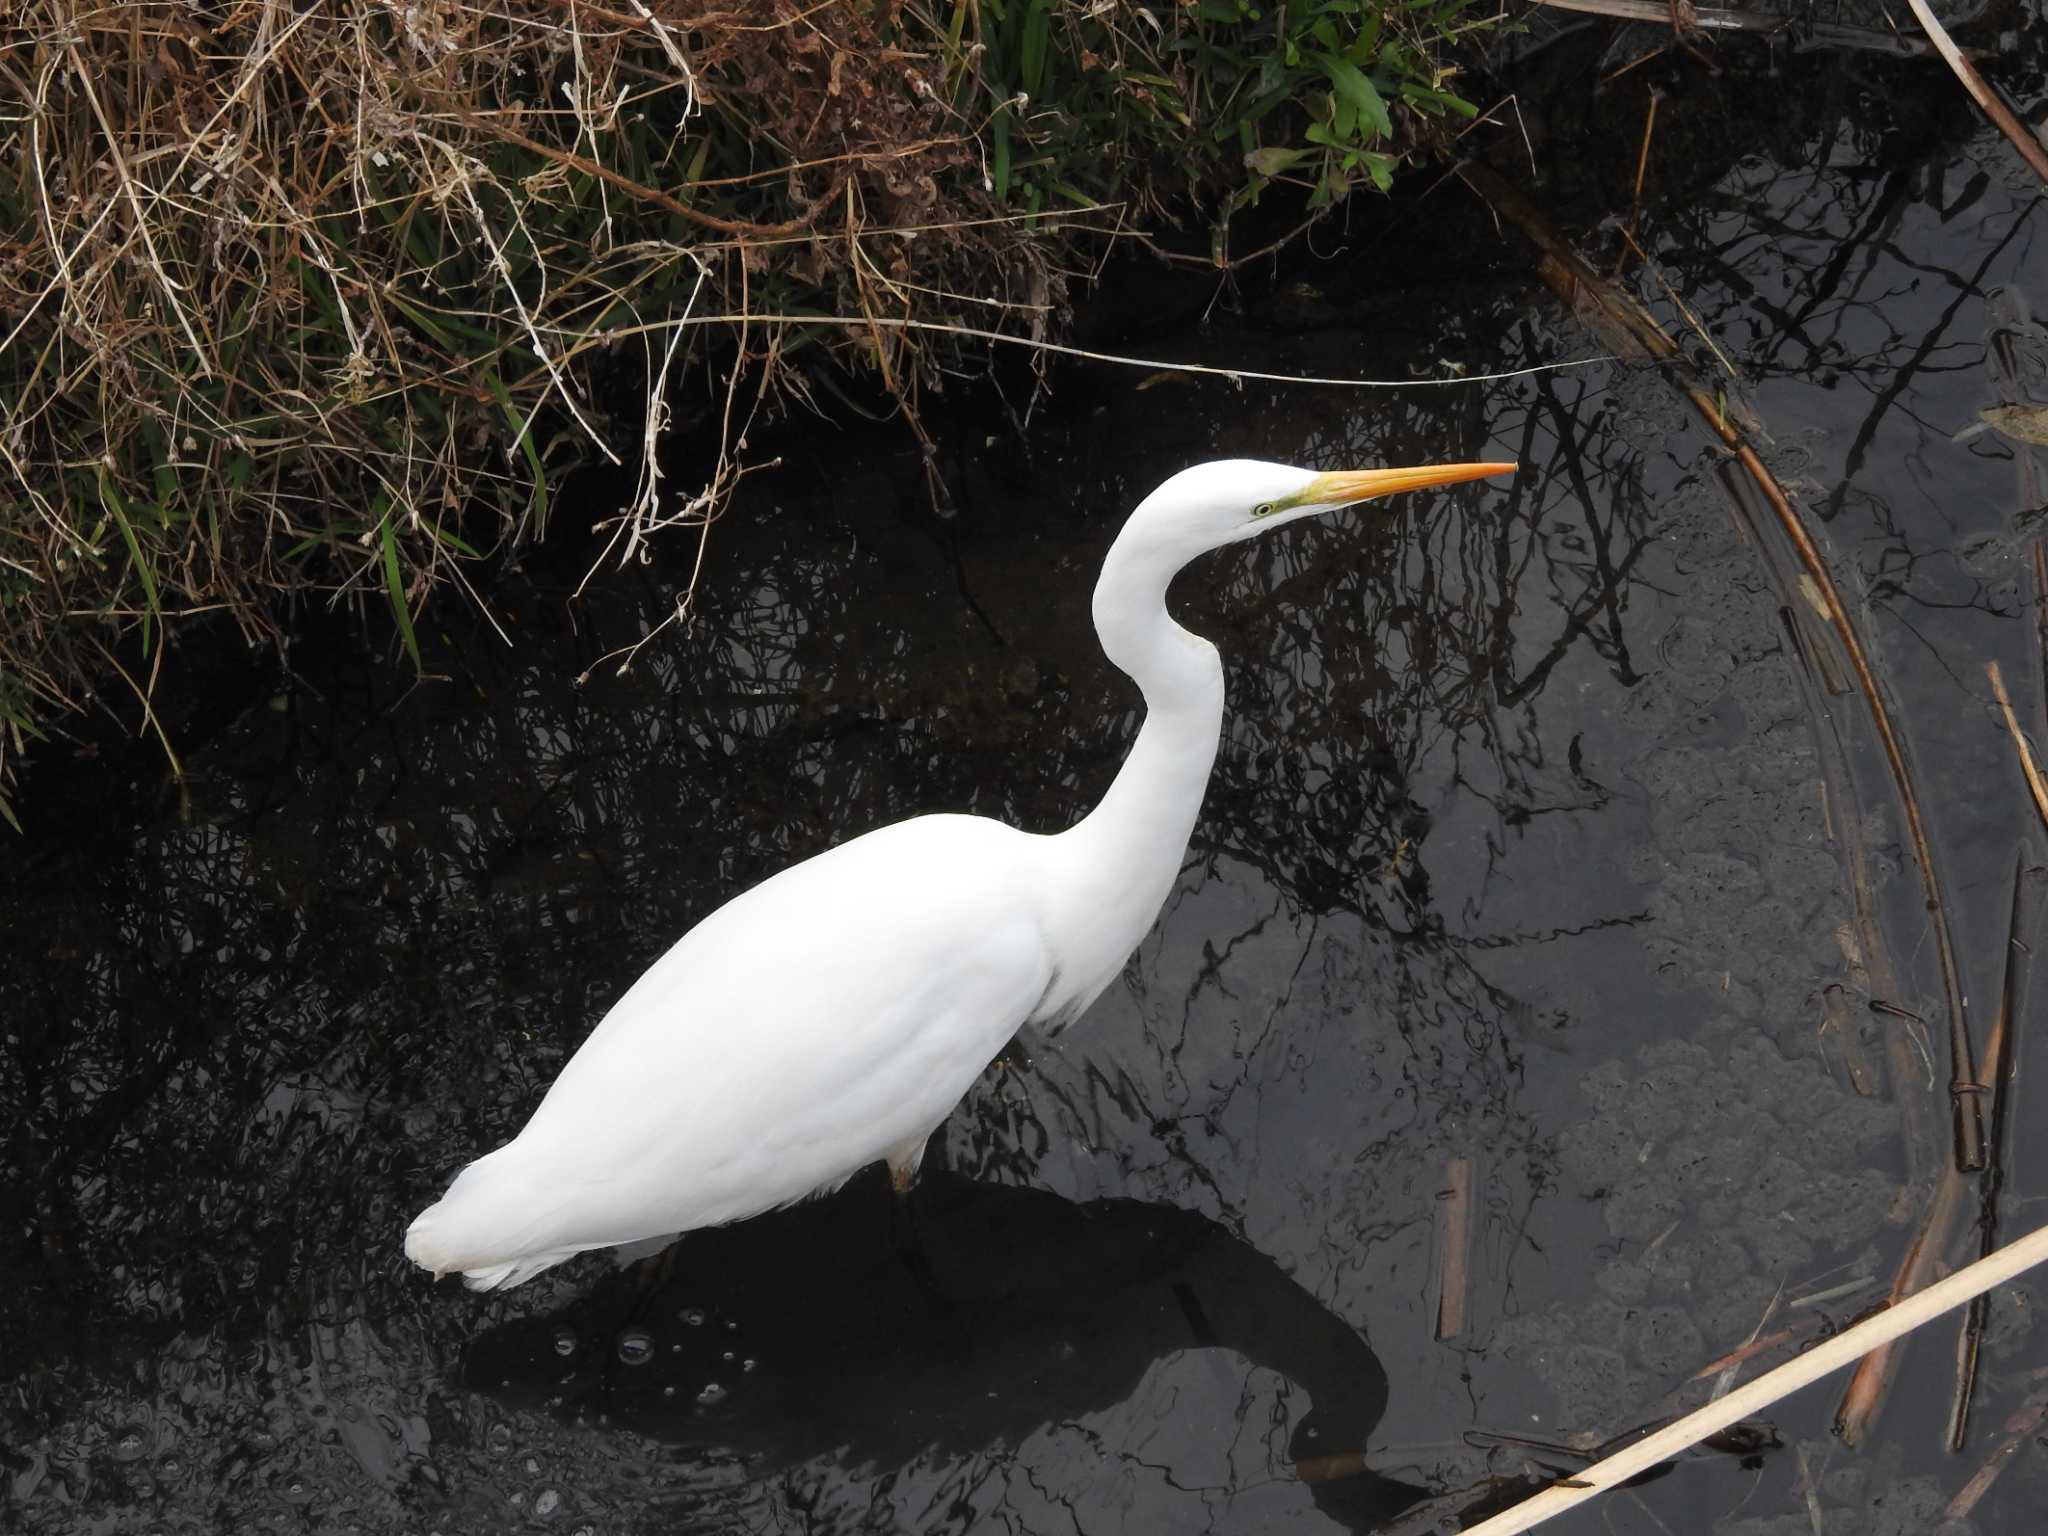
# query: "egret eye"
(1264, 509)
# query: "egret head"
(1215, 504)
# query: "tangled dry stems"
(323, 298)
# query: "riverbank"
(324, 306)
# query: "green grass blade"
(110, 498)
(394, 587)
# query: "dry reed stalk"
(1455, 1238)
(2019, 1429)
(1752, 1398)
(2035, 785)
(2001, 1056)
(1742, 1353)
(2001, 116)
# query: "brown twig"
(1455, 1234)
(2035, 785)
(2000, 1060)
(1752, 1398)
(646, 194)
(2001, 116)
(2019, 1429)
(1864, 1395)
(1635, 202)
(1743, 1352)
(2041, 620)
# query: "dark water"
(1517, 854)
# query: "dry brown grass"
(320, 299)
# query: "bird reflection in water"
(796, 1338)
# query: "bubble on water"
(668, 1391)
(130, 1441)
(694, 1316)
(565, 1342)
(731, 1355)
(635, 1347)
(712, 1395)
(499, 1439)
(546, 1502)
(749, 1363)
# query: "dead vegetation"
(322, 300)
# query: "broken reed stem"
(2035, 785)
(2000, 1059)
(1456, 1210)
(2040, 553)
(1864, 1395)
(1635, 205)
(2021, 137)
(1742, 1352)
(2019, 1429)
(1745, 1401)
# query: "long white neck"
(1116, 866)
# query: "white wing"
(829, 1015)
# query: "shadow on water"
(1516, 857)
(801, 1338)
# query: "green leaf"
(1436, 102)
(534, 466)
(443, 536)
(1274, 161)
(1360, 92)
(394, 587)
(999, 130)
(1037, 32)
(110, 497)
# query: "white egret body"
(834, 1014)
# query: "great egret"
(835, 1013)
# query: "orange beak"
(1343, 486)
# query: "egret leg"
(903, 1159)
(905, 1229)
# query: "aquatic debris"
(2024, 423)
(2001, 116)
(1829, 1355)
(2001, 1054)
(2035, 785)
(1456, 1237)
